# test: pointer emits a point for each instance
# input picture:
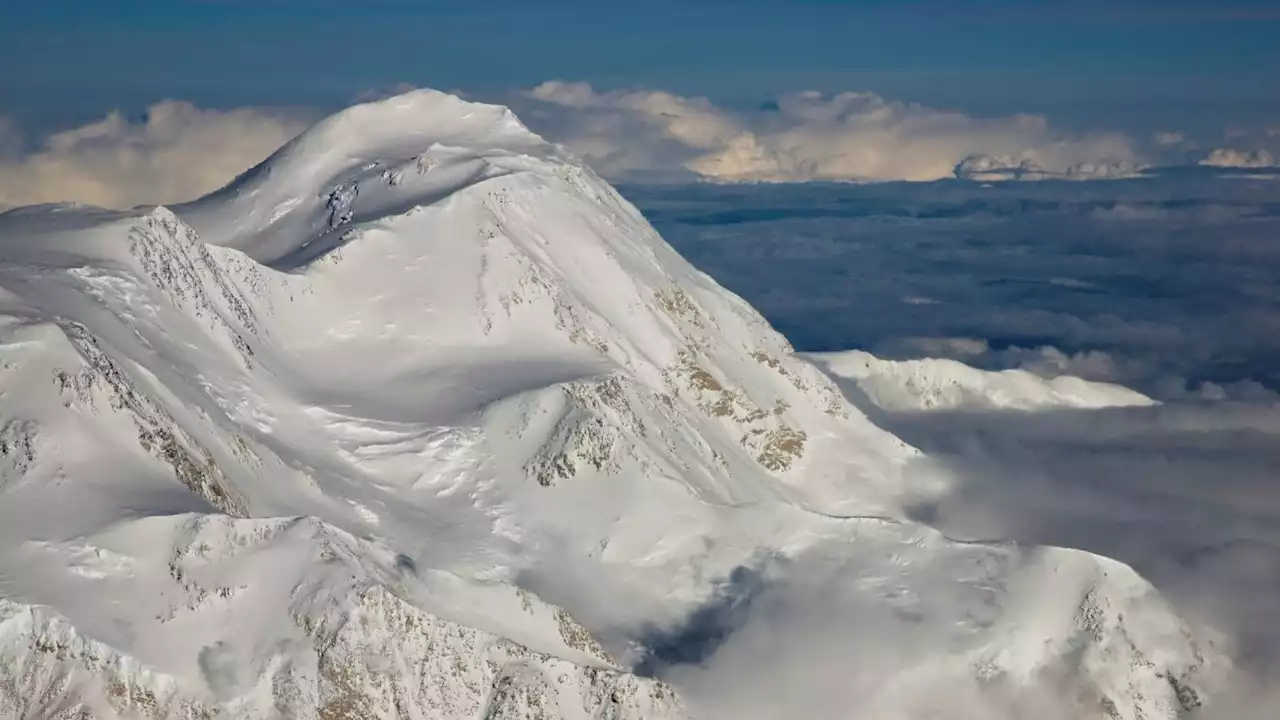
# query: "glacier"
(420, 418)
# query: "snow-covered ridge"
(943, 384)
(273, 209)
(301, 448)
(350, 645)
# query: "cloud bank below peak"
(807, 136)
(175, 152)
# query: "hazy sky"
(1086, 62)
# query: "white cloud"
(178, 152)
(804, 136)
(1232, 158)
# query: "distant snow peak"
(938, 384)
(991, 168)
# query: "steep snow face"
(307, 448)
(940, 384)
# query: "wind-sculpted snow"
(316, 445)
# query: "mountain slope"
(314, 445)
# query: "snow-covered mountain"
(996, 168)
(421, 419)
(943, 384)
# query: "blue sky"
(1088, 61)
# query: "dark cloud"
(704, 630)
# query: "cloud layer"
(1165, 284)
(176, 152)
(805, 136)
(1232, 158)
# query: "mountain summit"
(420, 419)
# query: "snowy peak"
(510, 253)
(307, 446)
(410, 122)
(312, 186)
(439, 333)
(942, 384)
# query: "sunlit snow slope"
(940, 384)
(320, 445)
